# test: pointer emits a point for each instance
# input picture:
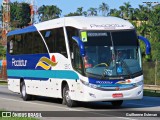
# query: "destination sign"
(94, 34)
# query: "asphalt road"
(130, 110)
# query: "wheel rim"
(67, 96)
(23, 90)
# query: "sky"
(68, 6)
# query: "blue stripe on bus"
(105, 81)
(61, 74)
(30, 78)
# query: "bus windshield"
(111, 54)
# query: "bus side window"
(71, 31)
(49, 37)
(77, 59)
(60, 45)
(38, 45)
(55, 40)
(28, 43)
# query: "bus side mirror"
(80, 45)
(148, 46)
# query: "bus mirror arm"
(80, 45)
(147, 43)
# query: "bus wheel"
(66, 98)
(117, 103)
(24, 95)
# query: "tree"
(48, 12)
(92, 11)
(114, 12)
(72, 14)
(150, 27)
(154, 31)
(20, 14)
(127, 8)
(104, 8)
(85, 13)
(122, 9)
(80, 10)
(131, 16)
(141, 13)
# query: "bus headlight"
(89, 84)
(139, 83)
(93, 86)
(84, 82)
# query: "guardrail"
(152, 87)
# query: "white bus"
(77, 59)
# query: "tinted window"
(55, 40)
(38, 45)
(125, 38)
(77, 61)
(29, 43)
(70, 33)
(74, 49)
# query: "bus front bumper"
(90, 94)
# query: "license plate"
(117, 95)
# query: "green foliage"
(79, 12)
(73, 14)
(114, 12)
(104, 8)
(92, 11)
(48, 12)
(20, 14)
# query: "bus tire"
(24, 94)
(117, 103)
(66, 98)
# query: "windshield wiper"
(127, 68)
(104, 75)
(93, 75)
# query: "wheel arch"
(21, 81)
(63, 84)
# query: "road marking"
(125, 118)
(32, 103)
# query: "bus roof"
(79, 22)
(87, 23)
